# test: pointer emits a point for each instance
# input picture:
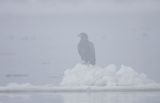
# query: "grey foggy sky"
(78, 6)
(41, 35)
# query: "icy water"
(94, 97)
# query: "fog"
(38, 38)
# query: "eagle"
(86, 49)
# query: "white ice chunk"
(88, 75)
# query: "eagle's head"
(83, 35)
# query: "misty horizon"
(38, 38)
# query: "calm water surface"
(100, 97)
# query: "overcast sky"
(78, 6)
(41, 35)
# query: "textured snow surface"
(83, 78)
(88, 75)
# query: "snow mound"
(88, 75)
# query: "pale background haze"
(38, 38)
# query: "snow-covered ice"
(89, 75)
(86, 78)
